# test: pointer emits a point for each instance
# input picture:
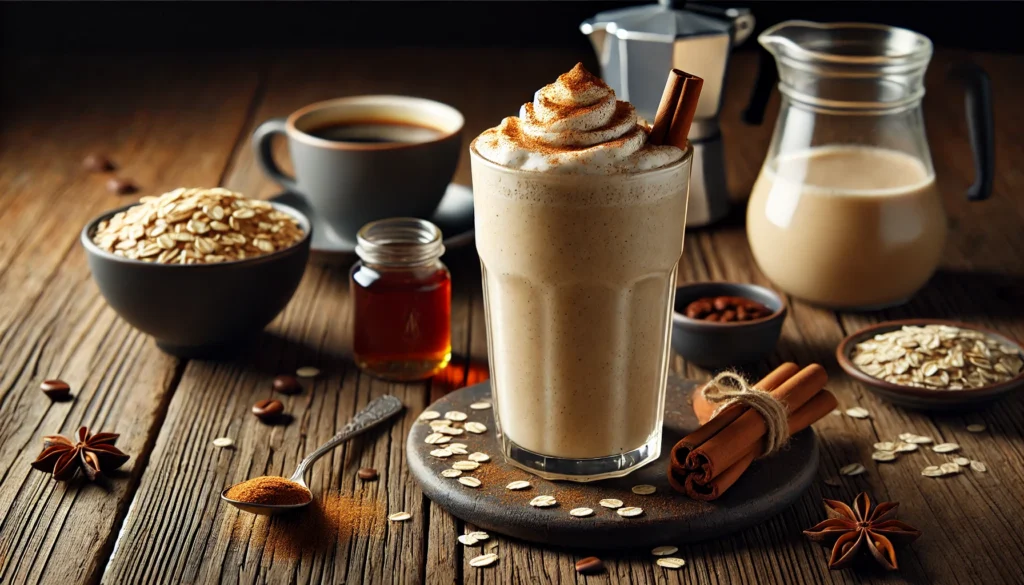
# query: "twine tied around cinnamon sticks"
(729, 388)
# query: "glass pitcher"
(845, 212)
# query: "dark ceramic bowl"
(713, 345)
(199, 310)
(925, 398)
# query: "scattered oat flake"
(458, 450)
(852, 469)
(950, 467)
(902, 447)
(932, 471)
(442, 453)
(857, 412)
(475, 427)
(468, 539)
(543, 501)
(483, 560)
(945, 447)
(470, 481)
(978, 466)
(307, 372)
(644, 489)
(664, 551)
(399, 516)
(883, 456)
(457, 446)
(832, 482)
(671, 562)
(611, 503)
(836, 412)
(451, 473)
(480, 535)
(962, 461)
(429, 415)
(479, 457)
(976, 428)
(629, 511)
(449, 431)
(480, 405)
(465, 465)
(885, 446)
(223, 442)
(436, 439)
(581, 512)
(918, 440)
(456, 415)
(518, 485)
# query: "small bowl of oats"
(931, 364)
(203, 271)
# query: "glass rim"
(799, 54)
(399, 241)
(686, 159)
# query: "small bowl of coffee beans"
(203, 271)
(721, 324)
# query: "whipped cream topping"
(575, 125)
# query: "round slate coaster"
(768, 487)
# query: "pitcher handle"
(980, 126)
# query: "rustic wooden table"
(186, 120)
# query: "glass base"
(403, 370)
(582, 470)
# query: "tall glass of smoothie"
(579, 228)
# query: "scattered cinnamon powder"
(269, 490)
(318, 528)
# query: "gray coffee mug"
(351, 183)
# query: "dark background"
(204, 25)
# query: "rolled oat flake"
(644, 489)
(611, 503)
(671, 562)
(483, 560)
(399, 516)
(852, 469)
(451, 473)
(307, 372)
(518, 485)
(581, 512)
(470, 482)
(480, 405)
(629, 511)
(223, 442)
(664, 551)
(479, 457)
(945, 447)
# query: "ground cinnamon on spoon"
(269, 490)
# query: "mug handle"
(261, 141)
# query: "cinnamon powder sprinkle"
(269, 490)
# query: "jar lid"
(660, 23)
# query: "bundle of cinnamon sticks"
(708, 461)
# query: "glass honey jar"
(401, 300)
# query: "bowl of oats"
(203, 271)
(932, 364)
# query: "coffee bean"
(287, 385)
(56, 389)
(268, 410)
(589, 566)
(367, 474)
(121, 186)
(97, 163)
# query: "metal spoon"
(376, 412)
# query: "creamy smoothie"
(847, 226)
(579, 227)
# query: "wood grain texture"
(170, 122)
(53, 322)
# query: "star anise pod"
(853, 531)
(93, 454)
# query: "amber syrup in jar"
(401, 300)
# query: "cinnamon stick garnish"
(677, 109)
